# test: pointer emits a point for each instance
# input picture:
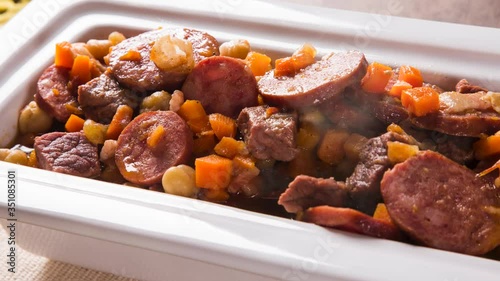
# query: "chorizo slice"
(353, 221)
(53, 94)
(319, 82)
(442, 204)
(150, 144)
(142, 74)
(223, 85)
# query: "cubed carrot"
(131, 55)
(74, 123)
(156, 135)
(194, 114)
(487, 147)
(64, 55)
(222, 125)
(420, 101)
(398, 152)
(122, 117)
(411, 75)
(376, 78)
(284, 67)
(81, 70)
(213, 172)
(204, 143)
(229, 148)
(259, 63)
(399, 87)
(381, 213)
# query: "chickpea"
(34, 120)
(17, 156)
(156, 101)
(98, 48)
(115, 38)
(180, 180)
(95, 132)
(108, 150)
(235, 48)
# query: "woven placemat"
(37, 268)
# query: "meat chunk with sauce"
(463, 86)
(319, 82)
(442, 204)
(269, 134)
(68, 153)
(142, 74)
(364, 183)
(100, 97)
(305, 192)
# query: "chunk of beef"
(364, 183)
(101, 96)
(269, 135)
(68, 153)
(463, 86)
(305, 192)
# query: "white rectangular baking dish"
(154, 236)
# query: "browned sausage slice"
(442, 204)
(53, 95)
(353, 221)
(316, 83)
(223, 85)
(143, 75)
(152, 143)
(68, 153)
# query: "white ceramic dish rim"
(234, 238)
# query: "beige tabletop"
(478, 12)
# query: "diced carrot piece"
(64, 55)
(398, 152)
(410, 75)
(284, 67)
(381, 213)
(194, 114)
(420, 101)
(155, 136)
(487, 147)
(222, 125)
(214, 195)
(74, 123)
(131, 55)
(81, 70)
(258, 63)
(122, 117)
(213, 172)
(32, 162)
(331, 147)
(204, 144)
(376, 78)
(398, 87)
(229, 148)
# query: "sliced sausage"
(150, 144)
(442, 204)
(68, 153)
(223, 85)
(316, 83)
(53, 94)
(101, 96)
(143, 74)
(353, 221)
(269, 136)
(305, 192)
(461, 115)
